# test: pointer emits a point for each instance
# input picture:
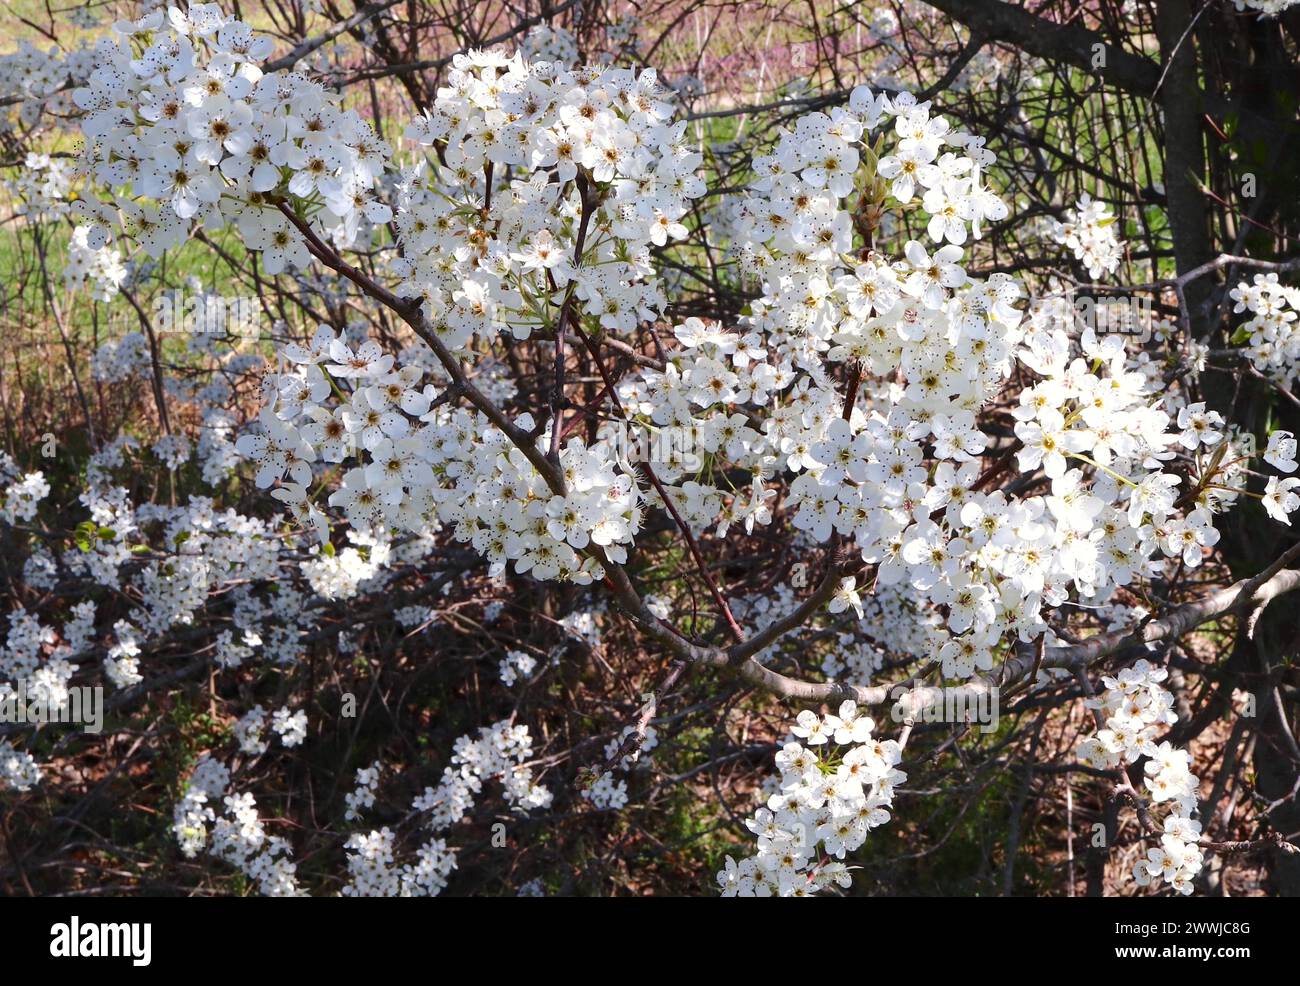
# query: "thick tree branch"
(1072, 44)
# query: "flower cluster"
(607, 792)
(372, 873)
(1136, 707)
(1087, 233)
(237, 836)
(250, 731)
(1266, 8)
(21, 499)
(101, 267)
(550, 187)
(363, 795)
(18, 770)
(499, 753)
(424, 466)
(515, 665)
(191, 128)
(646, 740)
(602, 175)
(182, 125)
(291, 727)
(603, 789)
(835, 787)
(1270, 334)
(35, 81)
(120, 359)
(900, 475)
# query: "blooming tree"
(560, 430)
